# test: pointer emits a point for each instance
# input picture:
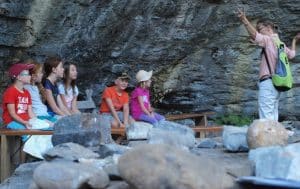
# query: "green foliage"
(231, 119)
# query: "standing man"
(264, 35)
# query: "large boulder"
(70, 152)
(265, 132)
(277, 162)
(63, 174)
(163, 166)
(82, 128)
(22, 177)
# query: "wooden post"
(5, 158)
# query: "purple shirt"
(135, 108)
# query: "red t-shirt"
(21, 100)
(117, 99)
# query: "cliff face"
(199, 51)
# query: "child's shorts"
(17, 126)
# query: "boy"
(115, 102)
(16, 101)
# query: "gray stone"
(266, 133)
(70, 152)
(235, 138)
(138, 130)
(277, 162)
(163, 166)
(173, 138)
(135, 143)
(118, 185)
(105, 125)
(22, 177)
(83, 129)
(63, 174)
(167, 132)
(106, 150)
(207, 143)
(187, 122)
(109, 165)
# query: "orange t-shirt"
(117, 99)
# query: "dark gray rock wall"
(201, 55)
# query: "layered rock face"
(199, 51)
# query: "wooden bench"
(201, 124)
(11, 154)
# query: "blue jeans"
(17, 126)
(268, 100)
(153, 120)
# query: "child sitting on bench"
(17, 104)
(115, 102)
(37, 91)
(140, 105)
(16, 100)
(68, 90)
(114, 109)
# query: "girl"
(140, 100)
(53, 71)
(36, 91)
(68, 89)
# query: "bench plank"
(119, 131)
(188, 115)
(11, 132)
(209, 128)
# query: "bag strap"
(279, 45)
(264, 52)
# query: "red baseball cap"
(16, 69)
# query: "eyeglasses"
(24, 74)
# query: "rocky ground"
(169, 157)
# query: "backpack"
(282, 77)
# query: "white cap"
(142, 75)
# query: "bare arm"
(52, 103)
(141, 103)
(12, 113)
(30, 112)
(63, 99)
(250, 28)
(126, 114)
(295, 39)
(62, 107)
(74, 108)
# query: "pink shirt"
(135, 107)
(271, 50)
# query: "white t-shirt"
(38, 107)
(69, 95)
